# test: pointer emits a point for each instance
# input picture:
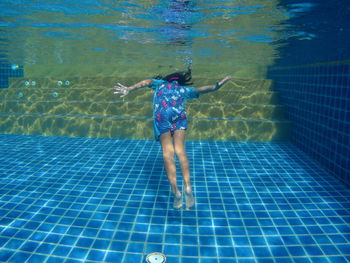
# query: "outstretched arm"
(211, 88)
(121, 89)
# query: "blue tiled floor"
(102, 200)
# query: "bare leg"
(168, 157)
(179, 143)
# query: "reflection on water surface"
(239, 36)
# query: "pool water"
(269, 156)
(66, 199)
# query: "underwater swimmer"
(170, 123)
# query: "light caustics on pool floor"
(243, 110)
(104, 200)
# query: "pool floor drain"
(155, 257)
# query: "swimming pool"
(81, 179)
(103, 200)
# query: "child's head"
(182, 77)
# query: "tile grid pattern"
(317, 100)
(102, 200)
(8, 70)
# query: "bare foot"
(189, 198)
(177, 200)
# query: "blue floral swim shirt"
(169, 112)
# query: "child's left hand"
(121, 89)
(223, 81)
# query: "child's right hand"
(121, 89)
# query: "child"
(170, 93)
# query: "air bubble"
(14, 66)
(59, 83)
(54, 94)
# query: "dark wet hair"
(182, 77)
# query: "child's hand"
(223, 81)
(121, 89)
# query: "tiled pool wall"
(7, 71)
(313, 78)
(317, 100)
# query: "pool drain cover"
(155, 257)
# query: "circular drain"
(155, 257)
